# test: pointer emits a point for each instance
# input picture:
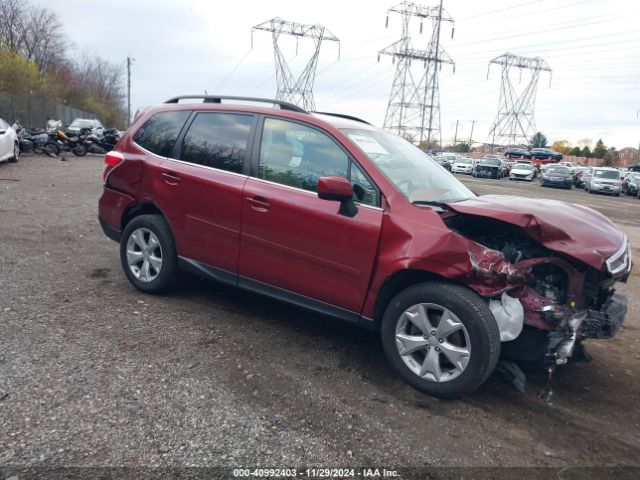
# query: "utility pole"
(289, 88)
(129, 61)
(514, 122)
(414, 104)
(455, 137)
(473, 122)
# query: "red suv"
(330, 213)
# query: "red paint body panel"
(574, 230)
(294, 240)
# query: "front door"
(296, 242)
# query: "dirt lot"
(94, 373)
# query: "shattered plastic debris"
(509, 315)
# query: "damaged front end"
(545, 302)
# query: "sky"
(190, 46)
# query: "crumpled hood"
(567, 228)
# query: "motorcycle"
(103, 144)
(67, 141)
(36, 141)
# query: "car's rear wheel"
(148, 254)
(16, 153)
(441, 338)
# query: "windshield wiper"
(434, 203)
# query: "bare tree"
(42, 38)
(11, 24)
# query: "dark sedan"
(631, 183)
(556, 176)
(516, 153)
(544, 154)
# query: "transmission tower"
(514, 123)
(413, 110)
(291, 89)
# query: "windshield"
(491, 161)
(606, 174)
(464, 160)
(563, 170)
(523, 166)
(82, 123)
(413, 172)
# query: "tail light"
(111, 161)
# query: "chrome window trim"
(309, 192)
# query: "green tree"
(576, 151)
(600, 150)
(18, 78)
(610, 156)
(586, 152)
(538, 141)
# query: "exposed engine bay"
(545, 302)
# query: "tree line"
(35, 64)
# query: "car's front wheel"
(16, 153)
(441, 338)
(148, 254)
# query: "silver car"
(9, 146)
(603, 180)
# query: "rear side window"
(218, 140)
(160, 132)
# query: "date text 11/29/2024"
(315, 473)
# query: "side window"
(218, 140)
(295, 155)
(160, 132)
(368, 195)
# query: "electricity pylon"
(413, 110)
(515, 123)
(298, 90)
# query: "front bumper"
(606, 188)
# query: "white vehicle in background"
(9, 146)
(570, 165)
(462, 165)
(522, 171)
(89, 123)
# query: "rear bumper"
(113, 233)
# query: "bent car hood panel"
(577, 231)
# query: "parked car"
(86, 123)
(522, 171)
(516, 153)
(443, 162)
(603, 180)
(630, 183)
(9, 144)
(462, 165)
(343, 218)
(570, 166)
(489, 167)
(556, 176)
(544, 154)
(577, 176)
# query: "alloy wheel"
(432, 342)
(144, 254)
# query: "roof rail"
(219, 98)
(342, 115)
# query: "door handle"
(171, 178)
(259, 204)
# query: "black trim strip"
(297, 299)
(113, 233)
(202, 269)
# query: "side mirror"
(340, 190)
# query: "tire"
(477, 333)
(80, 150)
(160, 278)
(16, 153)
(51, 149)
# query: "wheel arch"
(143, 208)
(398, 281)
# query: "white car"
(522, 171)
(90, 123)
(9, 146)
(462, 165)
(570, 165)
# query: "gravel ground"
(94, 373)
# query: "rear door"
(6, 142)
(201, 185)
(295, 245)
